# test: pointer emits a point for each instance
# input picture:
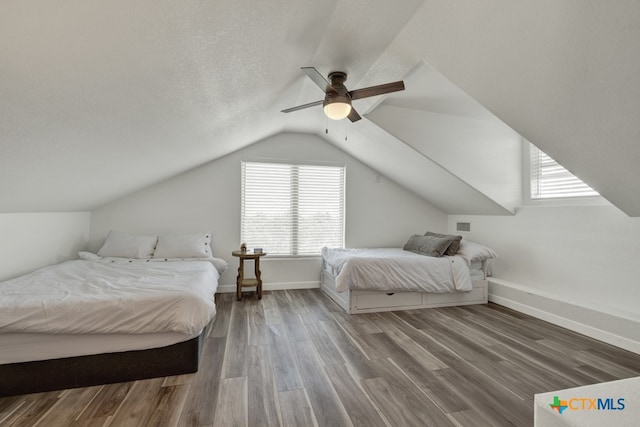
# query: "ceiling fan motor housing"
(337, 79)
(332, 97)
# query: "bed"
(386, 279)
(104, 319)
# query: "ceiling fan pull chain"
(345, 133)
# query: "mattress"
(477, 270)
(396, 270)
(16, 348)
(86, 297)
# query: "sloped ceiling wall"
(444, 124)
(415, 171)
(101, 99)
(563, 74)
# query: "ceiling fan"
(337, 100)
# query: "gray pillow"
(454, 242)
(427, 245)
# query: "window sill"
(290, 257)
(567, 201)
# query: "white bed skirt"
(361, 301)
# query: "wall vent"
(464, 227)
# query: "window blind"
(550, 180)
(291, 209)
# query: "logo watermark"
(587, 404)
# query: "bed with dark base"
(107, 368)
(108, 319)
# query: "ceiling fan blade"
(353, 115)
(301, 107)
(377, 90)
(317, 78)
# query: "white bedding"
(97, 297)
(397, 270)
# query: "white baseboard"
(273, 286)
(613, 328)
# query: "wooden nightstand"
(240, 280)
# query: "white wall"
(33, 240)
(378, 212)
(579, 256)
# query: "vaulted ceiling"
(100, 99)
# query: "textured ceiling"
(100, 99)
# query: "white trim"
(292, 162)
(569, 201)
(289, 257)
(566, 314)
(273, 286)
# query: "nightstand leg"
(257, 271)
(239, 280)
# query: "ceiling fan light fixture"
(337, 100)
(337, 107)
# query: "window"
(291, 209)
(550, 180)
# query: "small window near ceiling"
(549, 180)
(292, 209)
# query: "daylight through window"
(291, 209)
(550, 180)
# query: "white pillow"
(88, 256)
(196, 245)
(125, 245)
(472, 251)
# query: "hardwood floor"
(296, 359)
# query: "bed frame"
(361, 301)
(107, 368)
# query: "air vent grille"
(464, 227)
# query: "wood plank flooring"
(296, 359)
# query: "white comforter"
(78, 297)
(394, 269)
